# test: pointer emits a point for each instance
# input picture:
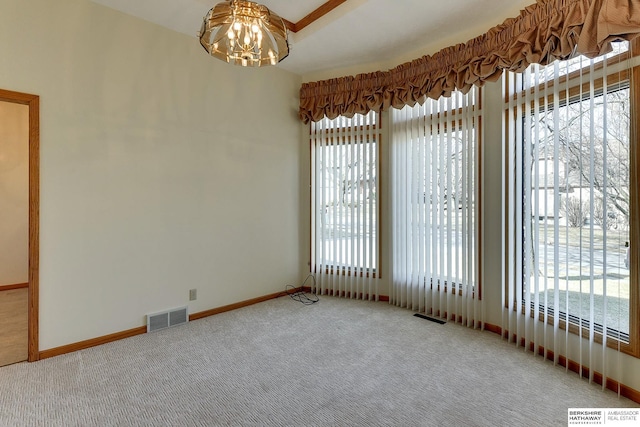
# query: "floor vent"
(167, 319)
(422, 316)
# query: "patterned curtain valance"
(543, 32)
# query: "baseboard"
(611, 384)
(70, 348)
(13, 287)
(493, 328)
(237, 305)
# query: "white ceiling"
(382, 33)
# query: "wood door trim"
(33, 102)
(14, 286)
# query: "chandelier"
(244, 33)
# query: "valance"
(543, 32)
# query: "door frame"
(33, 102)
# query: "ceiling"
(379, 34)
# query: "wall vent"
(167, 319)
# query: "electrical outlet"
(193, 294)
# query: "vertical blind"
(344, 180)
(434, 176)
(568, 208)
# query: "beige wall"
(14, 193)
(162, 169)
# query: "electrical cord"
(301, 296)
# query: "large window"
(570, 198)
(435, 162)
(344, 163)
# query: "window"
(344, 177)
(570, 195)
(434, 169)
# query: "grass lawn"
(576, 278)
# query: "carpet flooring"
(338, 362)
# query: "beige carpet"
(280, 363)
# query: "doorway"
(19, 231)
